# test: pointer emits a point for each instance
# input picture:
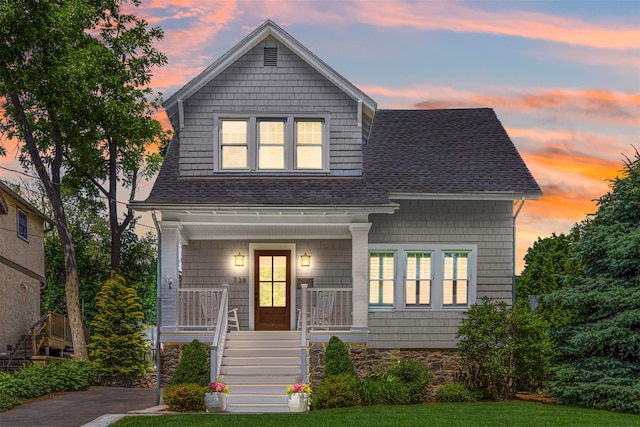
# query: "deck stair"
(258, 366)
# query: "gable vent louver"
(270, 56)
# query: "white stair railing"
(217, 347)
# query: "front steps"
(258, 366)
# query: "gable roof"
(269, 28)
(28, 206)
(431, 154)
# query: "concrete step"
(263, 352)
(274, 388)
(253, 344)
(256, 399)
(252, 380)
(260, 360)
(257, 408)
(258, 370)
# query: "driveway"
(78, 408)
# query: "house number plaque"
(239, 280)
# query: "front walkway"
(79, 408)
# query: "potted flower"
(215, 400)
(298, 397)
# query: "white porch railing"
(329, 308)
(198, 308)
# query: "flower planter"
(215, 402)
(298, 402)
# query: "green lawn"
(499, 414)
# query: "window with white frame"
(418, 277)
(23, 225)
(381, 278)
(455, 280)
(272, 143)
(431, 276)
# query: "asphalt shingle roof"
(424, 151)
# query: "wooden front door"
(272, 279)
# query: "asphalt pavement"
(95, 407)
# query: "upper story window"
(272, 144)
(23, 225)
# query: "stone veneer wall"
(445, 365)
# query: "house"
(283, 175)
(21, 266)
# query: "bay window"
(418, 278)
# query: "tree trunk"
(53, 193)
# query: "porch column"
(359, 273)
(169, 274)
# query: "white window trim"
(437, 250)
(290, 143)
(18, 212)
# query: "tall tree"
(602, 343)
(548, 263)
(61, 79)
(128, 144)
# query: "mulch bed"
(533, 397)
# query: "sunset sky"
(563, 76)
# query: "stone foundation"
(445, 365)
(145, 381)
(169, 361)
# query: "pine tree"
(602, 343)
(118, 344)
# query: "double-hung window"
(455, 284)
(418, 278)
(382, 269)
(272, 143)
(23, 225)
(233, 144)
(422, 276)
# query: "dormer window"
(272, 144)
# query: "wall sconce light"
(168, 280)
(305, 260)
(238, 260)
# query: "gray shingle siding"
(249, 86)
(489, 224)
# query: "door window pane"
(273, 281)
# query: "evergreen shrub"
(185, 397)
(193, 367)
(415, 377)
(118, 345)
(337, 391)
(336, 359)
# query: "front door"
(272, 289)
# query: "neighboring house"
(21, 266)
(282, 172)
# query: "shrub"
(336, 359)
(193, 367)
(508, 349)
(35, 381)
(185, 397)
(383, 390)
(455, 392)
(415, 376)
(338, 391)
(118, 345)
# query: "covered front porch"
(265, 257)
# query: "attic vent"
(270, 56)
